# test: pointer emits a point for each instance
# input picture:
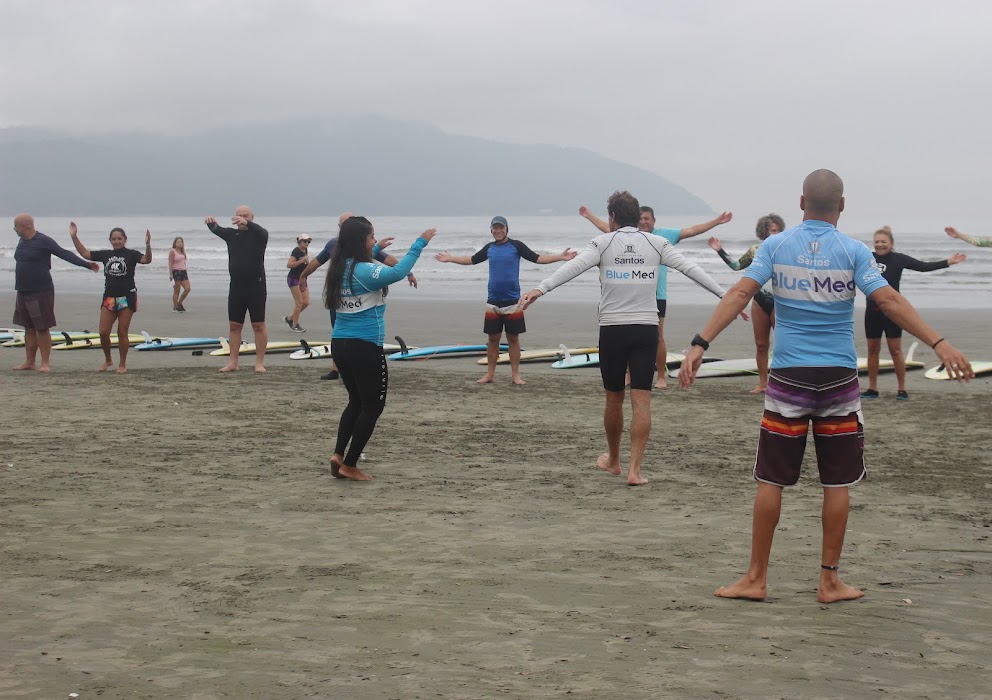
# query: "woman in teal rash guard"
(356, 291)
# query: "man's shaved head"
(245, 211)
(823, 195)
(344, 217)
(24, 225)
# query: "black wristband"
(698, 340)
(934, 346)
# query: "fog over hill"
(313, 169)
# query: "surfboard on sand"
(408, 353)
(315, 352)
(722, 368)
(571, 360)
(980, 367)
(84, 343)
(887, 365)
(250, 349)
(538, 355)
(175, 343)
(17, 337)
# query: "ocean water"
(967, 285)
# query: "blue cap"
(499, 220)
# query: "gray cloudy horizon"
(735, 101)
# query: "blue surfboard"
(175, 343)
(438, 351)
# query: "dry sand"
(176, 533)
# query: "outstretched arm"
(446, 257)
(732, 304)
(896, 307)
(596, 221)
(566, 254)
(703, 228)
(147, 257)
(973, 240)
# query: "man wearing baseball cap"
(502, 312)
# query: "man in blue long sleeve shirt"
(34, 308)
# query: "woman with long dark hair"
(120, 296)
(763, 306)
(356, 291)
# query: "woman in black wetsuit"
(876, 323)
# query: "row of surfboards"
(561, 357)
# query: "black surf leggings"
(363, 371)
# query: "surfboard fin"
(305, 345)
(912, 349)
(566, 353)
(147, 336)
(68, 340)
(404, 350)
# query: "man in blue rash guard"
(502, 312)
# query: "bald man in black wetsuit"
(246, 263)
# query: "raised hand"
(714, 243)
(385, 242)
(957, 258)
(429, 234)
(584, 211)
(148, 237)
(725, 217)
(73, 231)
(954, 233)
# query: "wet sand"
(176, 533)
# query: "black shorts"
(877, 324)
(180, 275)
(766, 301)
(246, 299)
(633, 346)
(505, 316)
(662, 307)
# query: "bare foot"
(228, 368)
(26, 365)
(337, 461)
(106, 365)
(354, 473)
(122, 369)
(661, 383)
(832, 589)
(45, 368)
(758, 390)
(518, 380)
(260, 368)
(488, 379)
(637, 480)
(745, 588)
(607, 465)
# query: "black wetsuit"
(246, 264)
(892, 264)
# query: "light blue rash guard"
(362, 308)
(815, 271)
(672, 236)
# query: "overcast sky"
(736, 100)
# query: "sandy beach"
(175, 532)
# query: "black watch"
(698, 340)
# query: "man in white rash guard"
(628, 262)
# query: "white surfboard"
(722, 368)
(250, 349)
(887, 365)
(980, 367)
